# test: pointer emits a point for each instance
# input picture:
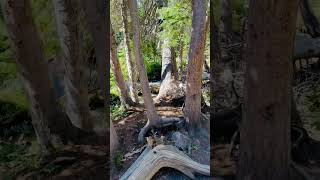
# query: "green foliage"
(117, 160)
(176, 21)
(118, 112)
(17, 158)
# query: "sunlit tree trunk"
(113, 138)
(124, 93)
(192, 108)
(169, 74)
(265, 129)
(153, 118)
(67, 14)
(132, 71)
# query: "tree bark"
(153, 118)
(67, 13)
(169, 88)
(29, 57)
(265, 131)
(47, 119)
(192, 108)
(226, 25)
(124, 93)
(96, 15)
(113, 139)
(310, 20)
(132, 73)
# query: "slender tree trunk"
(67, 13)
(310, 20)
(226, 25)
(169, 75)
(153, 118)
(132, 73)
(192, 108)
(181, 46)
(265, 130)
(114, 142)
(47, 119)
(124, 93)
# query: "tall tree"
(124, 93)
(153, 117)
(67, 14)
(192, 108)
(132, 72)
(265, 130)
(47, 119)
(33, 70)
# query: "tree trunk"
(153, 118)
(310, 20)
(265, 131)
(47, 119)
(169, 88)
(113, 139)
(226, 26)
(181, 46)
(192, 108)
(96, 14)
(132, 73)
(124, 93)
(67, 13)
(28, 56)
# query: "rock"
(181, 141)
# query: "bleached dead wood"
(152, 160)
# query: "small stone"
(181, 141)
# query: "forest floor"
(128, 129)
(20, 157)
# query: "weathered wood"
(152, 160)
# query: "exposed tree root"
(163, 122)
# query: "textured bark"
(192, 108)
(226, 22)
(153, 118)
(29, 57)
(96, 15)
(169, 74)
(132, 71)
(67, 13)
(181, 46)
(124, 93)
(47, 119)
(310, 20)
(265, 130)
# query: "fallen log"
(152, 160)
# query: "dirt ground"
(128, 130)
